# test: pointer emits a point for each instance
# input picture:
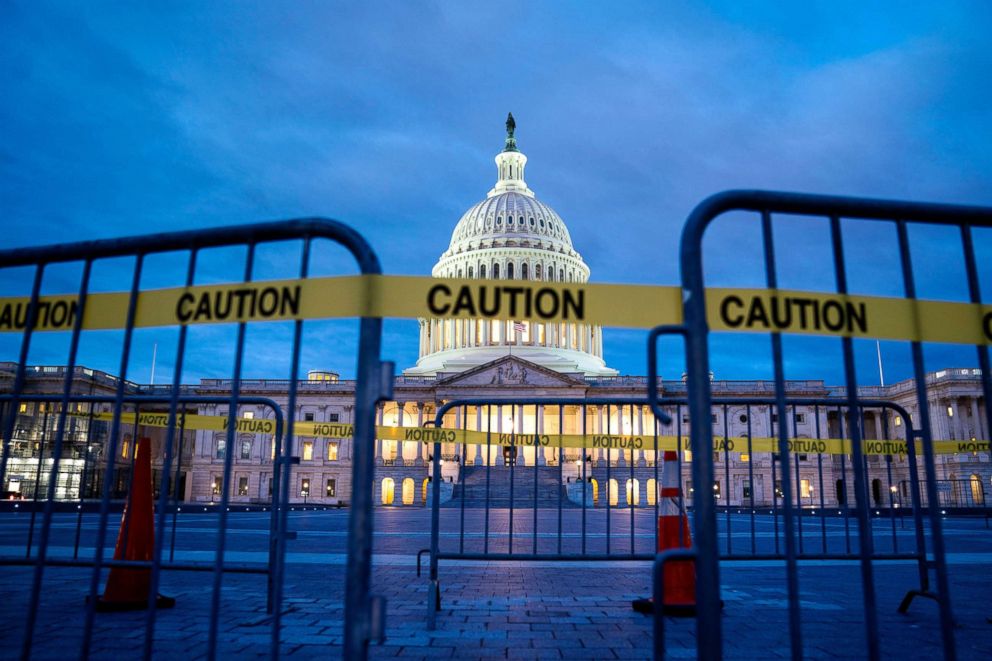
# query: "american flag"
(519, 326)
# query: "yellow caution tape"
(430, 435)
(628, 306)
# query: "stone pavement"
(516, 610)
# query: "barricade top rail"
(212, 237)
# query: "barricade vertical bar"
(115, 427)
(726, 478)
(175, 485)
(750, 475)
(791, 569)
(37, 479)
(819, 470)
(226, 482)
(280, 500)
(857, 458)
(936, 525)
(170, 439)
(537, 450)
(775, 489)
(461, 482)
(433, 593)
(561, 467)
(585, 478)
(489, 461)
(657, 503)
(633, 494)
(513, 466)
(709, 634)
(975, 296)
(82, 481)
(842, 426)
(70, 370)
(799, 483)
(609, 484)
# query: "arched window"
(561, 275)
(612, 494)
(470, 271)
(537, 271)
(633, 492)
(496, 271)
(977, 491)
(459, 273)
(388, 488)
(482, 270)
(523, 271)
(509, 270)
(408, 489)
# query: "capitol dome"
(510, 235)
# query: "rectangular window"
(685, 418)
(24, 408)
(308, 417)
(331, 488)
(270, 487)
(805, 489)
(778, 488)
(898, 422)
(218, 481)
(745, 458)
(716, 489)
(332, 451)
(242, 486)
(124, 447)
(305, 487)
(803, 457)
(221, 446)
(246, 449)
(688, 488)
(307, 450)
(746, 489)
(248, 415)
(273, 454)
(687, 456)
(801, 418)
(333, 417)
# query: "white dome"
(510, 235)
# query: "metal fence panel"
(363, 612)
(695, 331)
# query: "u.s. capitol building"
(511, 235)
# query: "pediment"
(509, 372)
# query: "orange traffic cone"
(128, 589)
(673, 533)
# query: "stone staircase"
(473, 487)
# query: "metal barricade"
(363, 613)
(695, 331)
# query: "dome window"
(499, 220)
(520, 220)
(542, 223)
(531, 222)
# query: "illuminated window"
(216, 485)
(898, 422)
(272, 456)
(331, 488)
(305, 487)
(124, 448)
(24, 408)
(950, 412)
(332, 451)
(746, 489)
(687, 456)
(221, 447)
(716, 489)
(242, 486)
(633, 492)
(494, 332)
(246, 449)
(745, 458)
(612, 489)
(388, 488)
(248, 415)
(805, 489)
(307, 450)
(408, 491)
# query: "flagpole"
(881, 375)
(151, 380)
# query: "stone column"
(878, 424)
(956, 426)
(978, 416)
(419, 461)
(641, 459)
(598, 455)
(401, 406)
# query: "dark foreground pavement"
(516, 610)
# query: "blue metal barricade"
(363, 612)
(695, 331)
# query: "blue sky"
(124, 118)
